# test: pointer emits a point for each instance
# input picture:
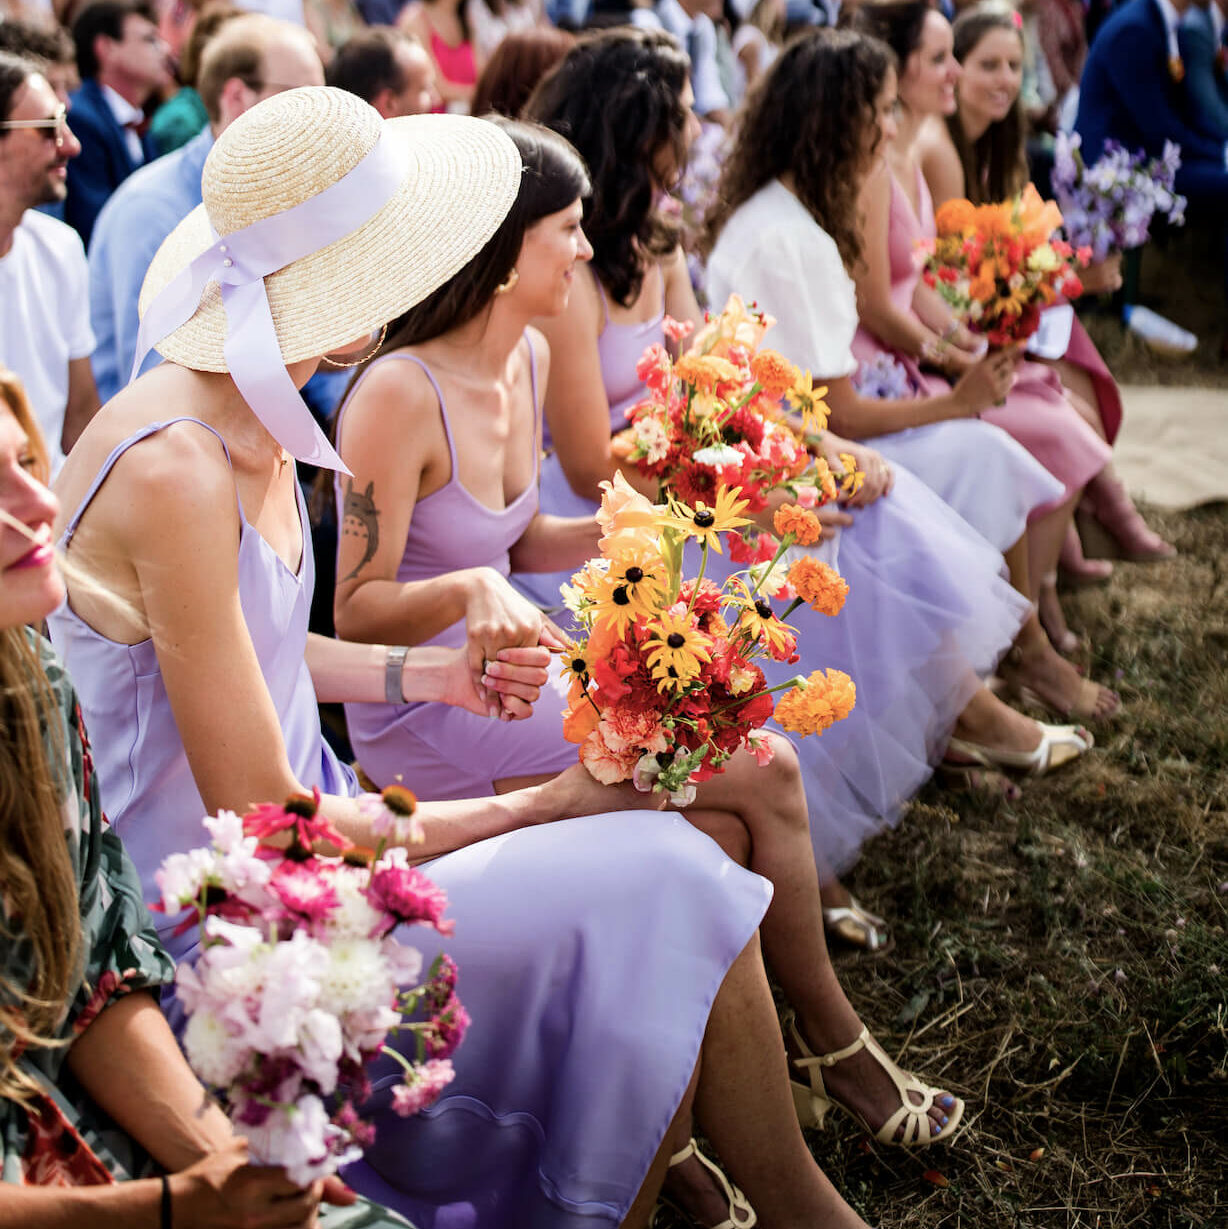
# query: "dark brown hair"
(898, 23)
(808, 117)
(516, 65)
(553, 178)
(617, 97)
(104, 17)
(995, 164)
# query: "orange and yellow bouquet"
(713, 417)
(998, 265)
(665, 684)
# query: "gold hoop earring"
(512, 278)
(332, 362)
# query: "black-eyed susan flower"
(676, 650)
(759, 622)
(706, 523)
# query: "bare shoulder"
(539, 348)
(394, 387)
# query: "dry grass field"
(1062, 961)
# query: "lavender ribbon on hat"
(240, 261)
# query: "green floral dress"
(53, 1142)
(60, 1138)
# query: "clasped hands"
(508, 645)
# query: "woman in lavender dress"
(595, 980)
(928, 612)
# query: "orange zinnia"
(819, 702)
(955, 216)
(800, 522)
(776, 375)
(821, 587)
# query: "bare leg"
(1081, 393)
(771, 803)
(744, 1104)
(679, 1129)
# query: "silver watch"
(394, 685)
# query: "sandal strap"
(741, 1214)
(684, 1153)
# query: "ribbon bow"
(240, 261)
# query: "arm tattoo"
(360, 519)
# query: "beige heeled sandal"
(812, 1101)
(741, 1214)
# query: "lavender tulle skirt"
(928, 616)
(590, 953)
(990, 479)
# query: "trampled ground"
(1062, 962)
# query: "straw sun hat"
(461, 180)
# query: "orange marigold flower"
(821, 587)
(818, 702)
(955, 216)
(704, 371)
(800, 522)
(775, 374)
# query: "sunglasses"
(54, 126)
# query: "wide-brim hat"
(461, 178)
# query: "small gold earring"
(512, 278)
(332, 362)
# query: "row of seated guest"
(575, 1084)
(960, 133)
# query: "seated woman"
(978, 153)
(93, 1087)
(779, 213)
(442, 437)
(860, 773)
(590, 1013)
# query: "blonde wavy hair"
(38, 889)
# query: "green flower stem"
(785, 543)
(703, 566)
(795, 681)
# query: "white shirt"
(125, 113)
(1172, 19)
(45, 317)
(773, 253)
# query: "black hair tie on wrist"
(166, 1203)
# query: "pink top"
(455, 63)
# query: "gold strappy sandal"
(741, 1214)
(812, 1101)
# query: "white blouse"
(774, 254)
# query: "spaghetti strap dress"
(417, 743)
(619, 347)
(928, 615)
(952, 456)
(590, 950)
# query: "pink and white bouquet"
(300, 982)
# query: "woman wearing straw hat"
(595, 979)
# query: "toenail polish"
(945, 1120)
(946, 1101)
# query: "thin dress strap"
(443, 407)
(605, 306)
(537, 408)
(118, 451)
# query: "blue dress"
(590, 950)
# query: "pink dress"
(1036, 412)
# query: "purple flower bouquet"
(1108, 207)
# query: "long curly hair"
(808, 117)
(39, 891)
(617, 97)
(995, 164)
